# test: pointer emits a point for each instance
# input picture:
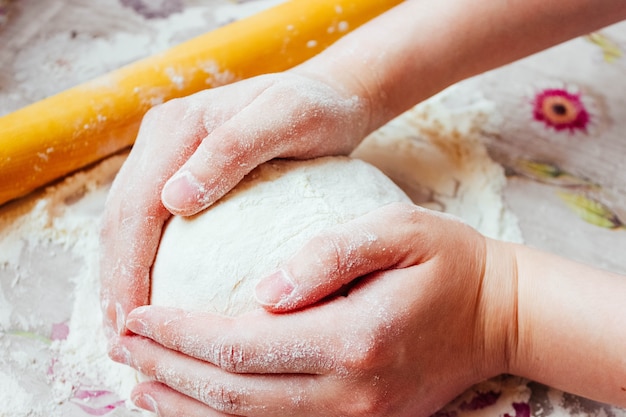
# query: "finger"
(224, 157)
(166, 402)
(134, 216)
(259, 343)
(125, 274)
(385, 297)
(219, 163)
(393, 236)
(224, 392)
(283, 119)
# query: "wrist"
(346, 87)
(498, 309)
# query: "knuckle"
(164, 110)
(371, 402)
(365, 356)
(155, 114)
(231, 357)
(330, 251)
(404, 212)
(367, 352)
(230, 400)
(221, 398)
(411, 219)
(345, 251)
(166, 115)
(368, 400)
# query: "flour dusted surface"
(212, 261)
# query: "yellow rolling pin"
(68, 131)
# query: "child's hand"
(431, 315)
(191, 151)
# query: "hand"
(191, 151)
(432, 314)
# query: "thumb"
(221, 160)
(336, 258)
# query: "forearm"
(571, 326)
(422, 46)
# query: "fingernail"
(136, 323)
(146, 402)
(120, 354)
(138, 326)
(275, 288)
(181, 191)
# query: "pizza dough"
(213, 261)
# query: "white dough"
(212, 261)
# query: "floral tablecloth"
(557, 126)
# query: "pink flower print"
(59, 331)
(561, 110)
(96, 402)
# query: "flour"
(19, 399)
(435, 153)
(50, 239)
(212, 261)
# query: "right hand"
(433, 312)
(191, 151)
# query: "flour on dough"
(212, 261)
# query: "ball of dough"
(213, 261)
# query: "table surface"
(566, 184)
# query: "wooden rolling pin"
(58, 135)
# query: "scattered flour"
(434, 152)
(19, 401)
(51, 238)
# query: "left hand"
(191, 151)
(431, 315)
